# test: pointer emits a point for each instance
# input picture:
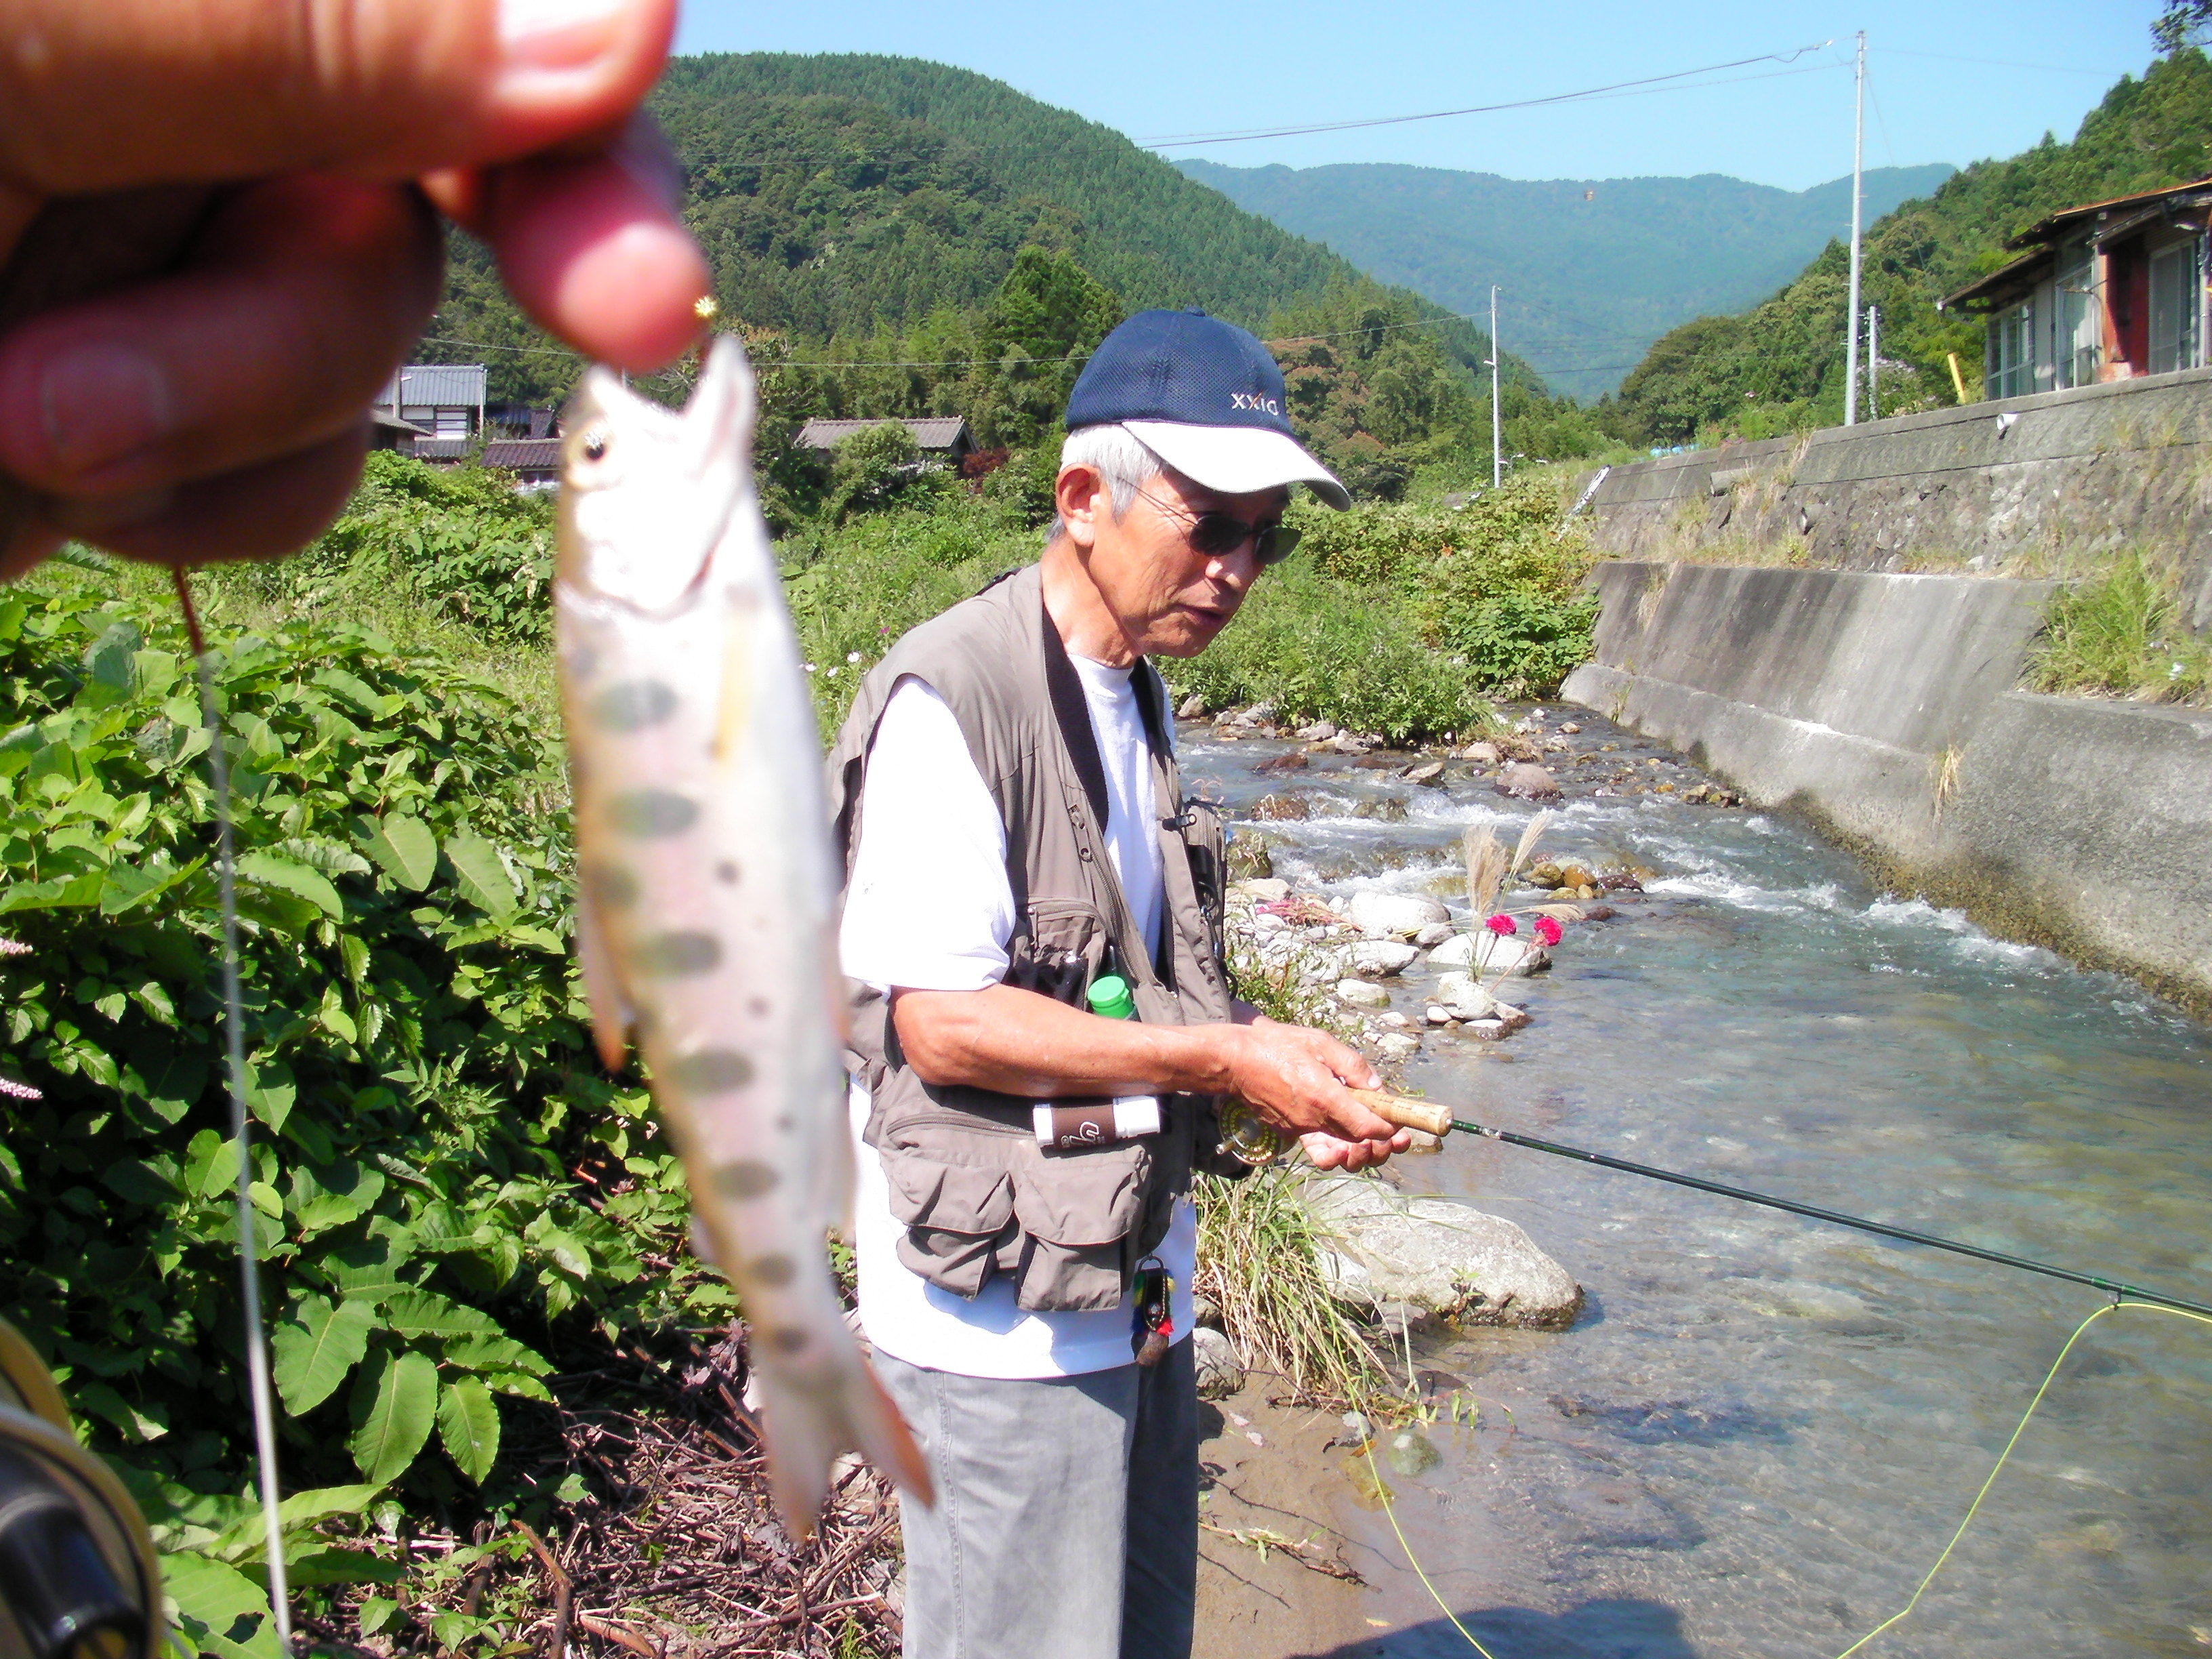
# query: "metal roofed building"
(944, 439)
(446, 400)
(2106, 291)
(535, 462)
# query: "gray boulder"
(1526, 778)
(1379, 958)
(1439, 1255)
(1463, 997)
(1193, 708)
(1220, 1370)
(1395, 915)
(1362, 994)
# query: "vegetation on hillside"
(1780, 366)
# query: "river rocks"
(1496, 953)
(1293, 761)
(1426, 772)
(1385, 809)
(1319, 732)
(1379, 958)
(1433, 935)
(1482, 754)
(1456, 950)
(1362, 993)
(1261, 890)
(1395, 915)
(1528, 781)
(1396, 1047)
(1249, 858)
(1444, 1258)
(1220, 1369)
(1193, 708)
(1276, 808)
(1461, 998)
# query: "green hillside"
(1780, 365)
(898, 237)
(1594, 271)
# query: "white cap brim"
(1239, 460)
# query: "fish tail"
(810, 1419)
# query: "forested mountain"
(900, 237)
(1594, 271)
(1781, 365)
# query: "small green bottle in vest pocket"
(1071, 1124)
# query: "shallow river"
(1763, 1431)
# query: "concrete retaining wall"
(2038, 482)
(1885, 706)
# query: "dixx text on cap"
(1204, 396)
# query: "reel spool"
(78, 1578)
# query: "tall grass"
(2124, 633)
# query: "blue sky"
(1948, 81)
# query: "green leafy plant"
(2123, 633)
(417, 1069)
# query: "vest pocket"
(1057, 950)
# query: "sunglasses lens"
(1218, 534)
(1276, 542)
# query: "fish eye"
(595, 446)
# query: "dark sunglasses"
(1218, 535)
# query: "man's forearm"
(1019, 1042)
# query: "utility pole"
(1497, 449)
(1858, 202)
(1873, 362)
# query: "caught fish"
(705, 886)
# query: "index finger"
(97, 97)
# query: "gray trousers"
(1065, 1525)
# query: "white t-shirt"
(929, 908)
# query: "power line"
(1184, 140)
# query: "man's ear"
(1084, 502)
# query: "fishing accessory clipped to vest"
(1070, 1125)
(1245, 1136)
(1151, 1301)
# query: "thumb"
(105, 96)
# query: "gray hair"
(1121, 458)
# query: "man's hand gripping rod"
(1410, 1113)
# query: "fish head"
(647, 491)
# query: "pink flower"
(9, 1086)
(1503, 925)
(14, 947)
(1548, 929)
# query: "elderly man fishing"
(1043, 1026)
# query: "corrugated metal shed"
(939, 434)
(441, 385)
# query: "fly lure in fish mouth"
(705, 885)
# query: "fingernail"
(556, 34)
(102, 403)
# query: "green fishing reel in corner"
(78, 1578)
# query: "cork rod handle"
(1405, 1111)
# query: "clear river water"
(1763, 1430)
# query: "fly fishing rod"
(1411, 1114)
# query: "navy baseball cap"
(1204, 396)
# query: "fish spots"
(632, 705)
(677, 955)
(771, 1271)
(726, 872)
(711, 1071)
(787, 1339)
(650, 813)
(758, 1007)
(745, 1179)
(610, 884)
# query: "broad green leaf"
(406, 849)
(247, 1538)
(468, 1422)
(369, 1268)
(142, 1181)
(211, 1163)
(341, 1566)
(483, 878)
(495, 1353)
(425, 1313)
(290, 876)
(270, 1092)
(327, 1196)
(111, 670)
(138, 1423)
(316, 1347)
(229, 1610)
(356, 691)
(57, 893)
(395, 1402)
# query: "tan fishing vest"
(977, 1194)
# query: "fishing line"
(1382, 1490)
(234, 1031)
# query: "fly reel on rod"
(77, 1574)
